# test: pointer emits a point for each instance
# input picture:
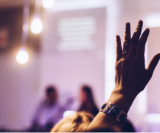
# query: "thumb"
(153, 63)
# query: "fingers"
(134, 39)
(126, 40)
(118, 48)
(153, 63)
(141, 44)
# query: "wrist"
(122, 99)
(126, 90)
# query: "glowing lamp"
(22, 57)
(36, 26)
(48, 3)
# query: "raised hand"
(131, 74)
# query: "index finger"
(141, 44)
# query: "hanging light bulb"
(36, 25)
(22, 57)
(48, 3)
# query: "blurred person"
(87, 101)
(130, 79)
(77, 122)
(48, 112)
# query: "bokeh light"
(22, 57)
(48, 3)
(36, 26)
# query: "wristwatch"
(114, 111)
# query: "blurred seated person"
(130, 79)
(77, 122)
(87, 101)
(48, 112)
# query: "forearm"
(102, 121)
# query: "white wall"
(69, 69)
(18, 92)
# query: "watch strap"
(115, 112)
